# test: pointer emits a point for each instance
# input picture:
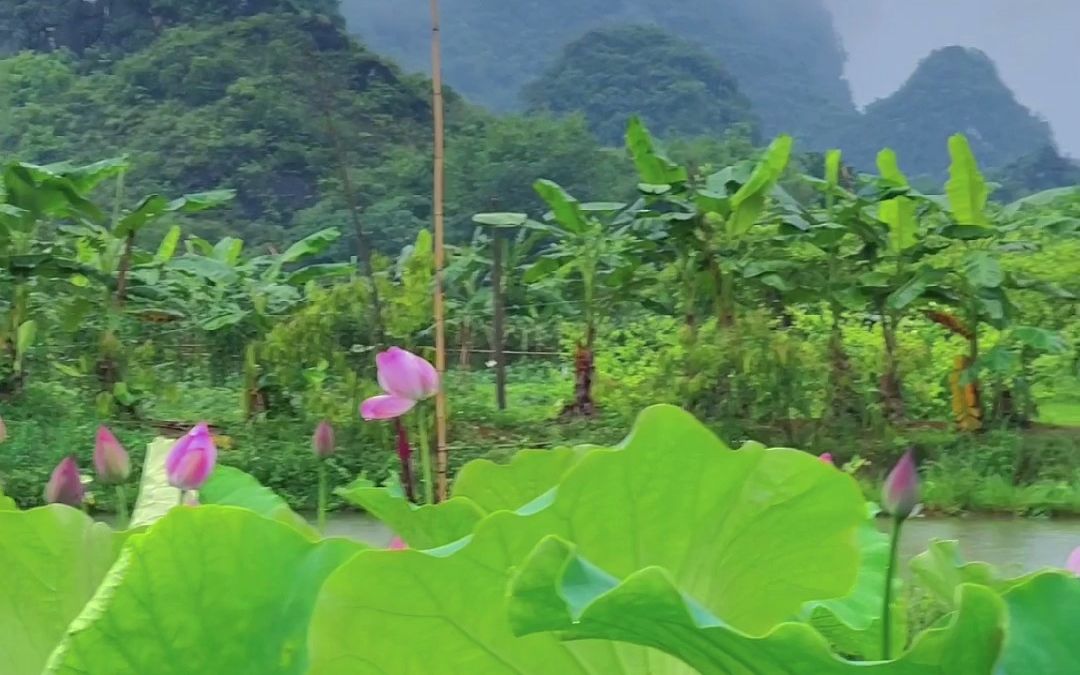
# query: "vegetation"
(525, 549)
(611, 74)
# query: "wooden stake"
(442, 482)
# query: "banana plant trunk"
(890, 386)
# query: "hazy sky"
(1034, 43)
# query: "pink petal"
(385, 407)
(1073, 564)
(397, 544)
(405, 374)
(111, 461)
(827, 458)
(192, 459)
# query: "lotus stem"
(323, 487)
(425, 455)
(122, 518)
(886, 613)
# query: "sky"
(1033, 42)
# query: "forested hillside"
(953, 90)
(612, 74)
(785, 53)
(272, 105)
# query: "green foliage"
(612, 74)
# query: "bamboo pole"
(441, 452)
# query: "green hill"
(785, 53)
(954, 89)
(613, 73)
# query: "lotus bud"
(111, 461)
(65, 485)
(406, 375)
(397, 544)
(1073, 564)
(192, 459)
(827, 458)
(322, 442)
(900, 493)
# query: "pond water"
(1015, 545)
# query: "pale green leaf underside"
(156, 496)
(51, 562)
(210, 590)
(558, 591)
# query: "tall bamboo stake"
(441, 459)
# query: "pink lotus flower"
(900, 493)
(111, 461)
(1073, 564)
(192, 459)
(827, 458)
(406, 378)
(322, 442)
(65, 485)
(397, 544)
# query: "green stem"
(122, 519)
(323, 486)
(181, 501)
(425, 455)
(886, 614)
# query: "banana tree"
(241, 295)
(702, 224)
(125, 273)
(34, 201)
(593, 253)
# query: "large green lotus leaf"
(212, 590)
(852, 624)
(52, 560)
(556, 590)
(426, 526)
(229, 486)
(481, 488)
(941, 569)
(507, 487)
(156, 496)
(753, 534)
(1044, 613)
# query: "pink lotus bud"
(900, 494)
(397, 544)
(406, 375)
(322, 442)
(827, 458)
(65, 485)
(1073, 564)
(192, 459)
(111, 461)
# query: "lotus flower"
(111, 461)
(1073, 564)
(192, 459)
(406, 378)
(65, 485)
(322, 442)
(900, 494)
(827, 458)
(397, 544)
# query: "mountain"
(785, 54)
(275, 105)
(954, 89)
(610, 74)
